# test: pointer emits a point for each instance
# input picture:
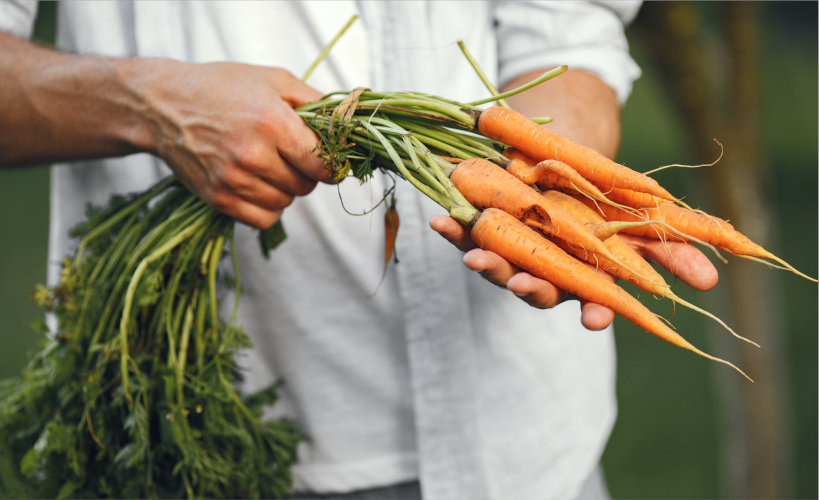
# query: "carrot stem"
(327, 49)
(432, 182)
(537, 81)
(472, 62)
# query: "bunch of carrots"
(583, 201)
(543, 202)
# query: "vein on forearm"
(58, 106)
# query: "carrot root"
(693, 307)
(502, 233)
(605, 230)
(783, 265)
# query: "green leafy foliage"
(272, 237)
(134, 395)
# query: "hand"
(684, 261)
(229, 133)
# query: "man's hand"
(229, 132)
(684, 261)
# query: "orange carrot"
(704, 227)
(634, 199)
(499, 232)
(486, 185)
(518, 157)
(648, 278)
(519, 132)
(391, 221)
(711, 229)
(553, 174)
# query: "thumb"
(292, 90)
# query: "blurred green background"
(687, 428)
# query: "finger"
(297, 144)
(490, 265)
(270, 167)
(535, 291)
(235, 185)
(251, 214)
(453, 231)
(594, 316)
(293, 91)
(543, 294)
(683, 260)
(259, 218)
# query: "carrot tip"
(793, 269)
(724, 362)
(714, 358)
(689, 305)
(783, 265)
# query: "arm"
(585, 110)
(226, 130)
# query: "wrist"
(136, 77)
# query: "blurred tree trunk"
(711, 76)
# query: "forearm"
(57, 106)
(227, 130)
(584, 108)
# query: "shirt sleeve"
(587, 35)
(17, 17)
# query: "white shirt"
(438, 375)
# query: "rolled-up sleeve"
(17, 17)
(585, 35)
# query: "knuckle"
(221, 201)
(279, 72)
(537, 304)
(550, 301)
(285, 200)
(273, 120)
(492, 276)
(548, 296)
(231, 178)
(275, 200)
(542, 300)
(250, 153)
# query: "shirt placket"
(433, 294)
